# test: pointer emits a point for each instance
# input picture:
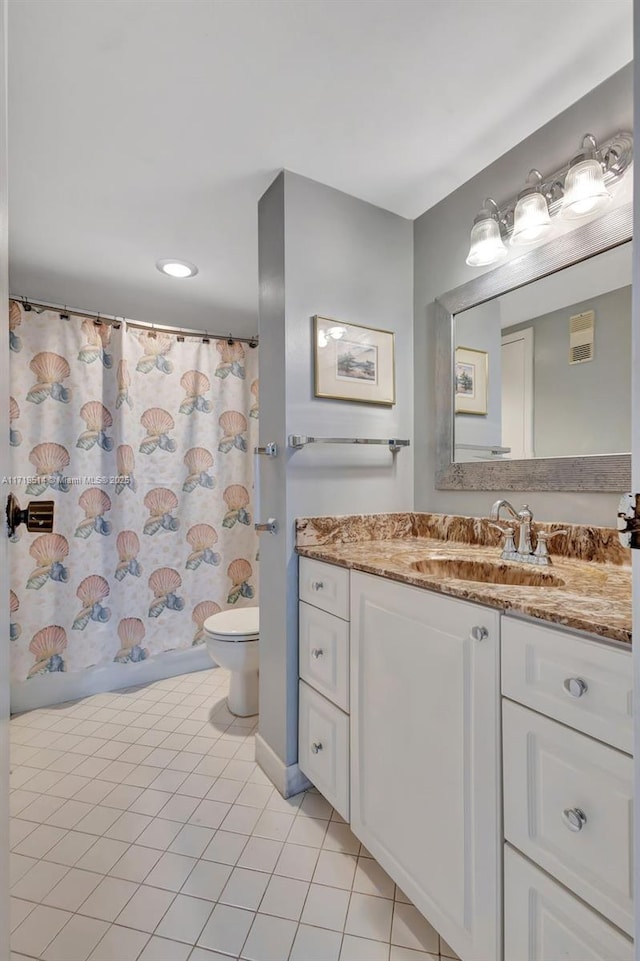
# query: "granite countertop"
(595, 595)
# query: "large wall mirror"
(533, 372)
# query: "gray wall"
(322, 252)
(582, 408)
(441, 243)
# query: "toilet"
(232, 641)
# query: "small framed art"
(353, 362)
(471, 380)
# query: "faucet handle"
(503, 530)
(509, 546)
(543, 536)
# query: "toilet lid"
(244, 622)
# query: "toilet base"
(242, 699)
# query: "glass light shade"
(486, 244)
(584, 189)
(531, 220)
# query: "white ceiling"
(141, 129)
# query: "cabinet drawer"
(553, 779)
(324, 653)
(325, 586)
(582, 683)
(544, 922)
(323, 747)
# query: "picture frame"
(471, 381)
(353, 363)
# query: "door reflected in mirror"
(545, 370)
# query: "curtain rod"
(136, 324)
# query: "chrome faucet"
(524, 551)
(523, 518)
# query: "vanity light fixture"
(585, 190)
(578, 189)
(487, 246)
(531, 218)
(176, 268)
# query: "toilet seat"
(235, 627)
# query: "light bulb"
(486, 243)
(584, 189)
(177, 268)
(531, 220)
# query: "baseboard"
(57, 687)
(288, 779)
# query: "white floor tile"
(171, 871)
(179, 808)
(146, 909)
(207, 880)
(150, 802)
(18, 911)
(446, 951)
(260, 854)
(108, 899)
(185, 919)
(284, 898)
(372, 879)
(168, 780)
(270, 939)
(315, 806)
(273, 824)
(339, 837)
(309, 831)
(210, 814)
(119, 944)
(122, 796)
(363, 949)
(192, 840)
(335, 869)
(40, 810)
(102, 855)
(255, 795)
(406, 954)
(245, 888)
(297, 861)
(135, 863)
(315, 944)
(225, 847)
(72, 889)
(98, 820)
(411, 930)
(141, 776)
(128, 826)
(159, 834)
(69, 813)
(226, 930)
(160, 949)
(38, 930)
(196, 785)
(369, 917)
(18, 866)
(76, 941)
(326, 907)
(71, 848)
(40, 841)
(224, 789)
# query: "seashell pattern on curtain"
(145, 445)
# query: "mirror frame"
(593, 472)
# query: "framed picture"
(353, 362)
(471, 381)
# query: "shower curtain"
(144, 441)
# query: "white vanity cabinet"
(568, 796)
(425, 754)
(323, 668)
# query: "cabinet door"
(425, 740)
(544, 922)
(323, 747)
(323, 653)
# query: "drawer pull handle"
(574, 818)
(316, 652)
(479, 633)
(316, 747)
(317, 586)
(575, 686)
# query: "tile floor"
(142, 830)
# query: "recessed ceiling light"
(177, 268)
